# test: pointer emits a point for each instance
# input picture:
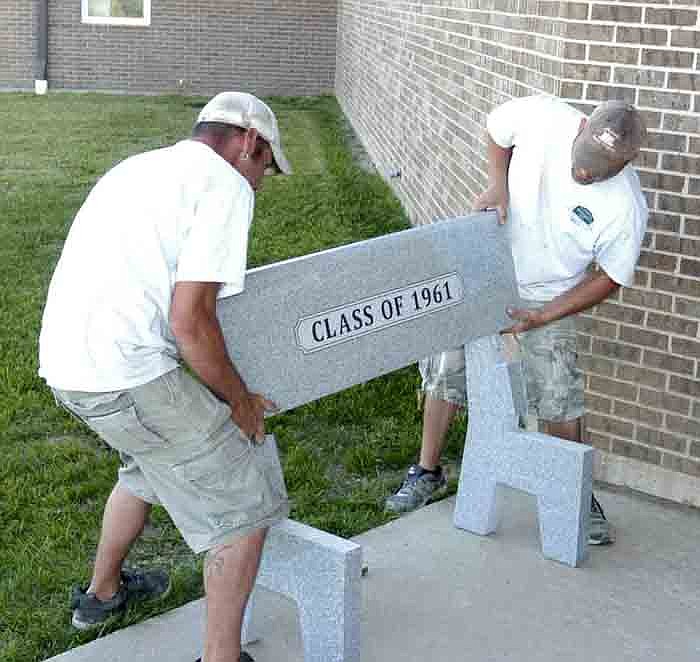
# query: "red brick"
(614, 388)
(686, 38)
(664, 100)
(596, 403)
(647, 158)
(643, 376)
(596, 327)
(667, 142)
(683, 81)
(684, 426)
(615, 54)
(583, 343)
(647, 299)
(668, 243)
(680, 163)
(616, 13)
(619, 313)
(661, 439)
(681, 464)
(682, 286)
(685, 386)
(660, 400)
(663, 181)
(617, 350)
(636, 452)
(665, 361)
(685, 123)
(641, 278)
(679, 204)
(690, 247)
(588, 72)
(667, 58)
(644, 36)
(695, 449)
(687, 307)
(596, 364)
(685, 347)
(608, 92)
(597, 440)
(658, 261)
(690, 268)
(609, 425)
(672, 17)
(637, 336)
(672, 324)
(635, 413)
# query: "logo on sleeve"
(581, 216)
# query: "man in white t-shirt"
(577, 217)
(160, 237)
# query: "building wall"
(641, 348)
(417, 79)
(17, 43)
(285, 47)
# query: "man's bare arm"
(201, 343)
(496, 195)
(593, 289)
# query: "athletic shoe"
(89, 611)
(600, 532)
(419, 487)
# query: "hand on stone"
(525, 319)
(494, 197)
(249, 415)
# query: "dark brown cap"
(613, 133)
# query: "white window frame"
(117, 20)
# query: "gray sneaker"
(89, 611)
(600, 532)
(419, 487)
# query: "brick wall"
(286, 47)
(641, 348)
(417, 80)
(17, 43)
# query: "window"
(117, 12)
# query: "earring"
(245, 156)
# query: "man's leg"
(229, 576)
(600, 532)
(124, 517)
(426, 479)
(437, 418)
(443, 385)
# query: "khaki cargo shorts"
(180, 448)
(554, 383)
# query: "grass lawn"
(341, 455)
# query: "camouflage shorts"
(555, 384)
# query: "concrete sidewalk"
(437, 594)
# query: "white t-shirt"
(181, 213)
(558, 227)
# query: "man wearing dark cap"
(577, 218)
(159, 239)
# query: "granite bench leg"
(321, 573)
(498, 452)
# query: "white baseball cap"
(247, 112)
